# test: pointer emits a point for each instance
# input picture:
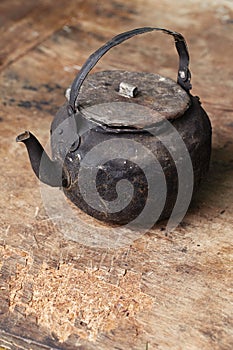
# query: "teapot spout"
(48, 171)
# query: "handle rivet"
(182, 74)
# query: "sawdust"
(24, 262)
(68, 301)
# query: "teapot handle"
(183, 77)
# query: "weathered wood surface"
(161, 292)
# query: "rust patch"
(68, 301)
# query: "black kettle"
(114, 125)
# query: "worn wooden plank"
(25, 24)
(161, 292)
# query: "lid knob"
(127, 90)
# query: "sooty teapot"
(127, 141)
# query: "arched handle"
(183, 78)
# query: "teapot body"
(193, 127)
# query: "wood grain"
(163, 291)
(26, 24)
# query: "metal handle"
(183, 77)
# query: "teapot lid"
(120, 99)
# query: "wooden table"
(163, 291)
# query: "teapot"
(111, 129)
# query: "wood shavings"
(70, 301)
(23, 265)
